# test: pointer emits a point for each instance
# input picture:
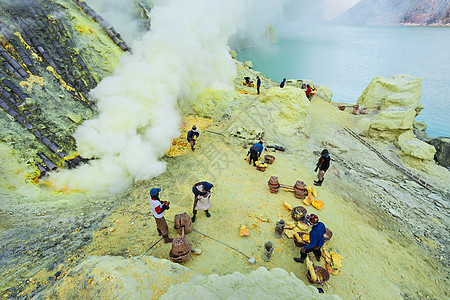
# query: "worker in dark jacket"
(158, 208)
(316, 239)
(323, 164)
(258, 83)
(283, 83)
(202, 198)
(255, 152)
(192, 136)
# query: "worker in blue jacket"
(192, 136)
(316, 239)
(255, 152)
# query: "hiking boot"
(167, 239)
(299, 260)
(318, 183)
(193, 218)
(318, 258)
(208, 214)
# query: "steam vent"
(47, 71)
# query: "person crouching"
(316, 239)
(202, 198)
(255, 152)
(158, 208)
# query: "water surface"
(346, 59)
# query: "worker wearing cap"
(202, 198)
(192, 136)
(323, 164)
(158, 208)
(316, 239)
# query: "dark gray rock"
(442, 145)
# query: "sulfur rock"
(412, 146)
(398, 90)
(290, 109)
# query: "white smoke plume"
(185, 52)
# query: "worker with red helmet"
(316, 239)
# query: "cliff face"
(383, 12)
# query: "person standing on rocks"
(255, 152)
(323, 164)
(308, 92)
(192, 136)
(202, 198)
(158, 208)
(316, 239)
(258, 84)
(283, 83)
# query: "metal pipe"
(47, 161)
(42, 170)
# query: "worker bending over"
(158, 208)
(316, 239)
(255, 152)
(202, 198)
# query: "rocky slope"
(383, 12)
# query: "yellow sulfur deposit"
(308, 200)
(310, 266)
(244, 231)
(306, 238)
(28, 84)
(314, 192)
(302, 226)
(260, 164)
(297, 237)
(289, 233)
(287, 205)
(317, 204)
(336, 262)
(309, 189)
(326, 255)
(289, 225)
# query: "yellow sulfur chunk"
(289, 233)
(306, 238)
(302, 226)
(297, 237)
(287, 205)
(309, 188)
(314, 192)
(244, 231)
(317, 204)
(312, 272)
(289, 225)
(308, 200)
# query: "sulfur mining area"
(90, 123)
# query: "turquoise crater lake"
(346, 59)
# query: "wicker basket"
(298, 213)
(180, 258)
(269, 159)
(320, 272)
(328, 234)
(297, 243)
(183, 220)
(273, 184)
(262, 169)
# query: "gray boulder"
(442, 145)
